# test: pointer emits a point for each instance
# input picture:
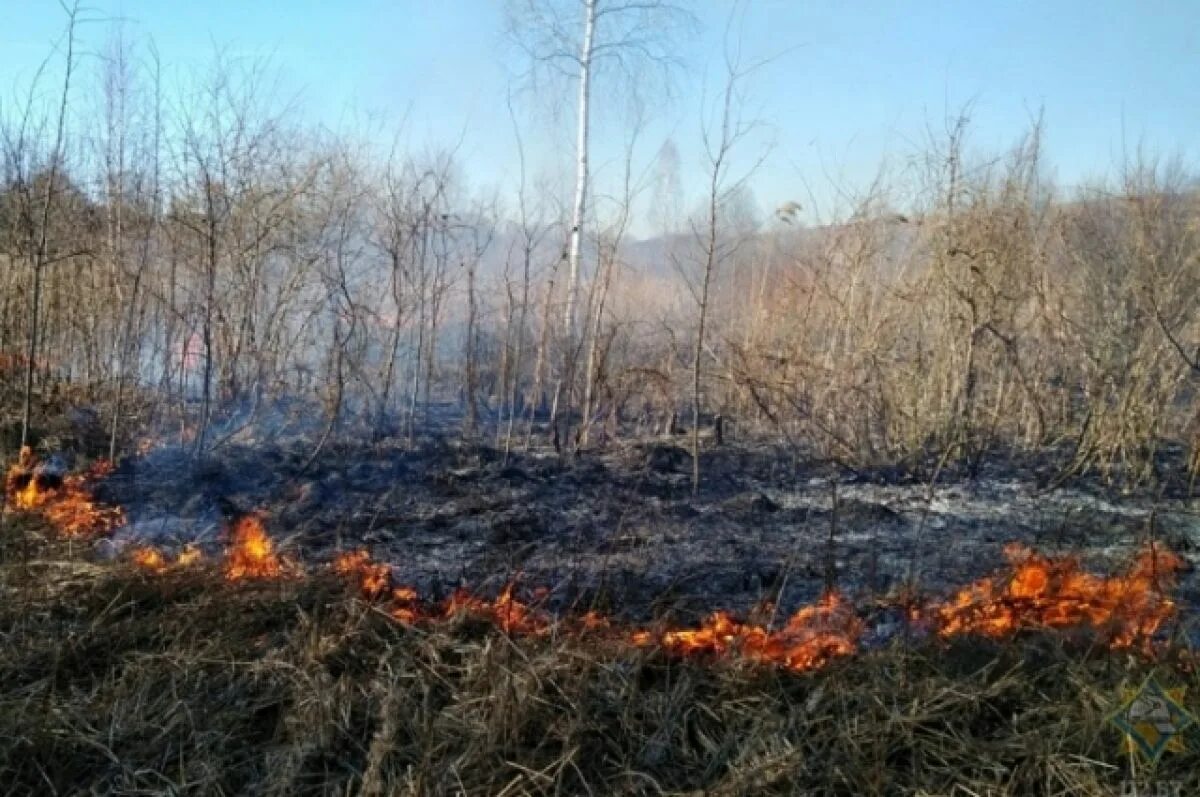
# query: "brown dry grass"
(116, 682)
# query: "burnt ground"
(621, 530)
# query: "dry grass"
(115, 682)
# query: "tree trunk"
(565, 384)
(41, 253)
(472, 375)
(581, 173)
(697, 355)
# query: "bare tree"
(240, 177)
(40, 252)
(477, 233)
(721, 137)
(608, 246)
(532, 231)
(118, 80)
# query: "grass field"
(115, 681)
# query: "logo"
(1153, 719)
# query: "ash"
(620, 530)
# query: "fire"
(76, 514)
(150, 559)
(30, 496)
(407, 605)
(190, 555)
(1045, 592)
(154, 560)
(251, 553)
(811, 638)
(374, 579)
(506, 612)
(19, 483)
(66, 502)
(1041, 592)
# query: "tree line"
(186, 256)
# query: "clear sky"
(857, 82)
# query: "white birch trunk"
(581, 173)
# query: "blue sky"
(857, 83)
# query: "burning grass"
(112, 682)
(153, 560)
(251, 554)
(178, 683)
(811, 638)
(374, 579)
(65, 501)
(1039, 593)
(1042, 592)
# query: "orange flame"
(30, 496)
(251, 553)
(1056, 593)
(69, 505)
(505, 612)
(407, 608)
(374, 579)
(19, 483)
(811, 638)
(152, 559)
(1041, 592)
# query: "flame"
(251, 553)
(19, 483)
(30, 496)
(150, 558)
(1044, 592)
(67, 505)
(407, 605)
(811, 638)
(1040, 592)
(374, 579)
(506, 612)
(190, 555)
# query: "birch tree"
(574, 39)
